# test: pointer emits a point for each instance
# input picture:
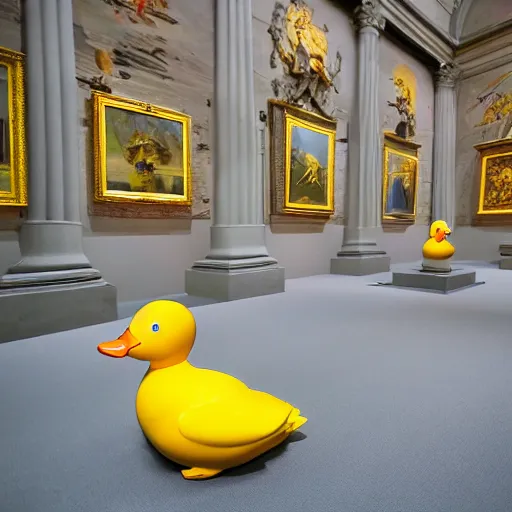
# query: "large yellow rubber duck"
(201, 419)
(437, 246)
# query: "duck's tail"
(295, 421)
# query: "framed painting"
(141, 152)
(302, 161)
(495, 195)
(399, 180)
(13, 167)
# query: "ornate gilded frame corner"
(500, 150)
(17, 167)
(282, 119)
(395, 145)
(101, 194)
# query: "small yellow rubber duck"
(201, 419)
(437, 246)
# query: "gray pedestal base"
(227, 285)
(506, 263)
(31, 311)
(506, 255)
(361, 265)
(444, 283)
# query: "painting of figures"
(5, 175)
(309, 166)
(142, 152)
(13, 170)
(496, 184)
(399, 184)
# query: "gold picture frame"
(302, 146)
(13, 162)
(400, 178)
(142, 152)
(495, 191)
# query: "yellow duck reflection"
(437, 246)
(201, 419)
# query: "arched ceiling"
(460, 11)
(472, 17)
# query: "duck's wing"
(235, 421)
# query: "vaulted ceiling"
(460, 9)
(474, 17)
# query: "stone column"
(238, 264)
(360, 254)
(53, 286)
(445, 112)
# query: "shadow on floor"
(257, 464)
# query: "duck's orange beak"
(119, 347)
(440, 235)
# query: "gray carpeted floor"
(408, 395)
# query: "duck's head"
(162, 332)
(440, 230)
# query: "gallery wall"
(406, 245)
(166, 61)
(473, 128)
(491, 73)
(169, 62)
(305, 249)
(316, 248)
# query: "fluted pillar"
(360, 253)
(50, 239)
(445, 112)
(238, 264)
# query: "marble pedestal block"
(436, 266)
(32, 311)
(506, 263)
(228, 285)
(506, 256)
(362, 265)
(443, 282)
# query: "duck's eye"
(155, 327)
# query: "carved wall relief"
(405, 101)
(302, 49)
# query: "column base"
(30, 311)
(360, 255)
(50, 277)
(360, 264)
(505, 264)
(50, 245)
(227, 280)
(506, 255)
